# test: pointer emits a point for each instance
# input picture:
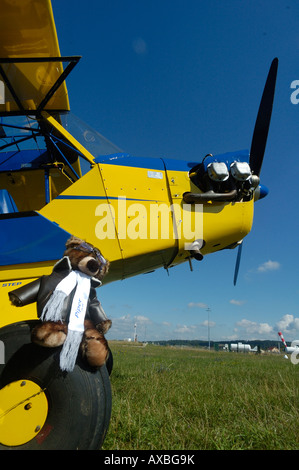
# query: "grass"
(188, 399)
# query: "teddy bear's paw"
(14, 299)
(49, 334)
(94, 348)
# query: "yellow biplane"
(142, 213)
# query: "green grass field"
(188, 399)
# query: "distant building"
(274, 350)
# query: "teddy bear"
(67, 305)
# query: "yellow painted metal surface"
(27, 188)
(75, 211)
(27, 30)
(137, 202)
(9, 313)
(140, 207)
(140, 222)
(61, 130)
(25, 272)
(23, 412)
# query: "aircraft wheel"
(42, 407)
(109, 363)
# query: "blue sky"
(180, 79)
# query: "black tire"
(109, 363)
(79, 403)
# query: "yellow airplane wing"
(31, 68)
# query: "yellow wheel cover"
(23, 412)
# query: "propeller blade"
(238, 263)
(261, 129)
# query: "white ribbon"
(79, 305)
(53, 308)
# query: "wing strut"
(38, 101)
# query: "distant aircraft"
(240, 347)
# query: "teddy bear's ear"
(73, 241)
(69, 241)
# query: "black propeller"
(260, 134)
(238, 262)
(262, 124)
